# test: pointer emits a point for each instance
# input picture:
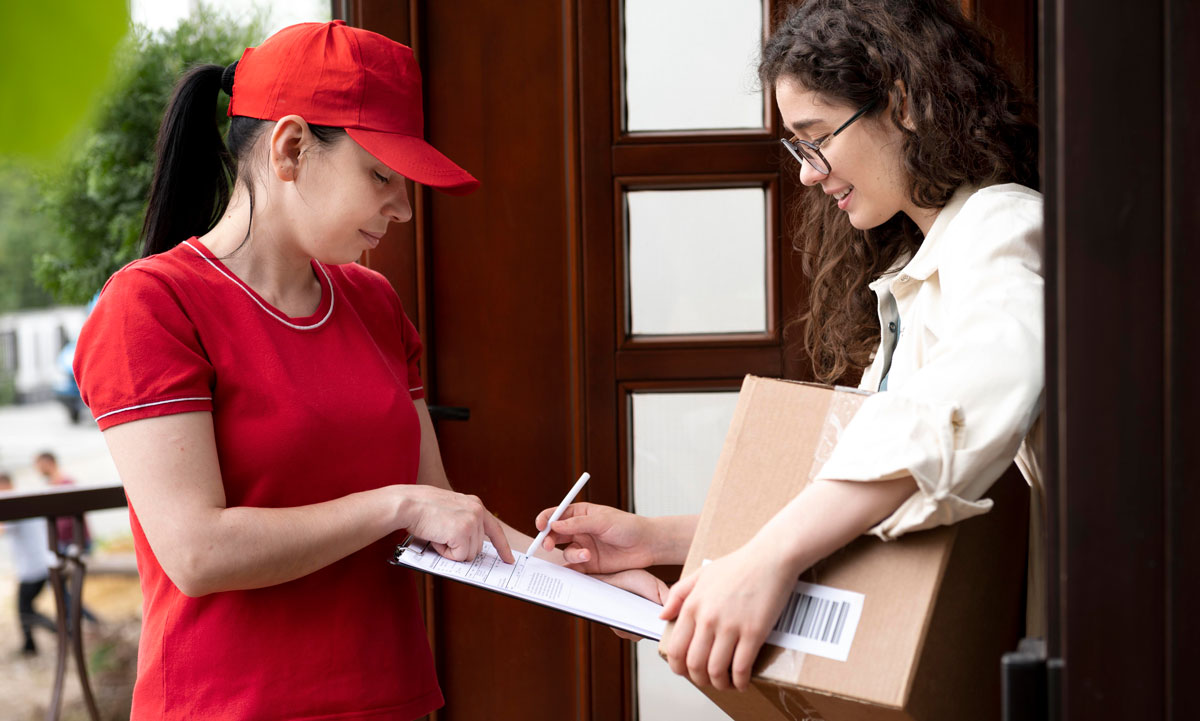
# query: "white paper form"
(541, 582)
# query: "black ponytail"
(193, 173)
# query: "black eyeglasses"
(810, 152)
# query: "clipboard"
(539, 582)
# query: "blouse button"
(892, 326)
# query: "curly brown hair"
(971, 126)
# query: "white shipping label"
(820, 620)
(817, 619)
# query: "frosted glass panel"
(692, 64)
(697, 260)
(664, 696)
(677, 438)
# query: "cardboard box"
(940, 608)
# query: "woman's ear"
(289, 139)
(900, 96)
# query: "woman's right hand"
(455, 524)
(600, 539)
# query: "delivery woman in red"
(259, 393)
(922, 240)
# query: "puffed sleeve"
(956, 422)
(139, 354)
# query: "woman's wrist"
(670, 538)
(399, 504)
(790, 549)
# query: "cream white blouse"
(965, 379)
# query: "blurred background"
(75, 165)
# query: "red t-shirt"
(305, 410)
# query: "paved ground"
(25, 683)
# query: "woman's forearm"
(240, 548)
(671, 537)
(172, 476)
(827, 515)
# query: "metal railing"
(67, 572)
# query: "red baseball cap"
(346, 77)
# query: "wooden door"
(522, 293)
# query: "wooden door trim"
(576, 320)
(698, 363)
(687, 155)
(1183, 358)
(596, 132)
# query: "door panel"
(485, 276)
(494, 91)
(500, 327)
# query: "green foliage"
(97, 199)
(54, 56)
(22, 232)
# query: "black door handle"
(449, 413)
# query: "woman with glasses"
(922, 240)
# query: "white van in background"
(33, 365)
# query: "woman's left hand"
(643, 583)
(723, 613)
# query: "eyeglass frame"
(792, 143)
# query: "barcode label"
(820, 620)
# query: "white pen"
(566, 501)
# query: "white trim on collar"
(270, 311)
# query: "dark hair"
(971, 127)
(46, 456)
(194, 171)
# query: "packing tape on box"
(842, 407)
